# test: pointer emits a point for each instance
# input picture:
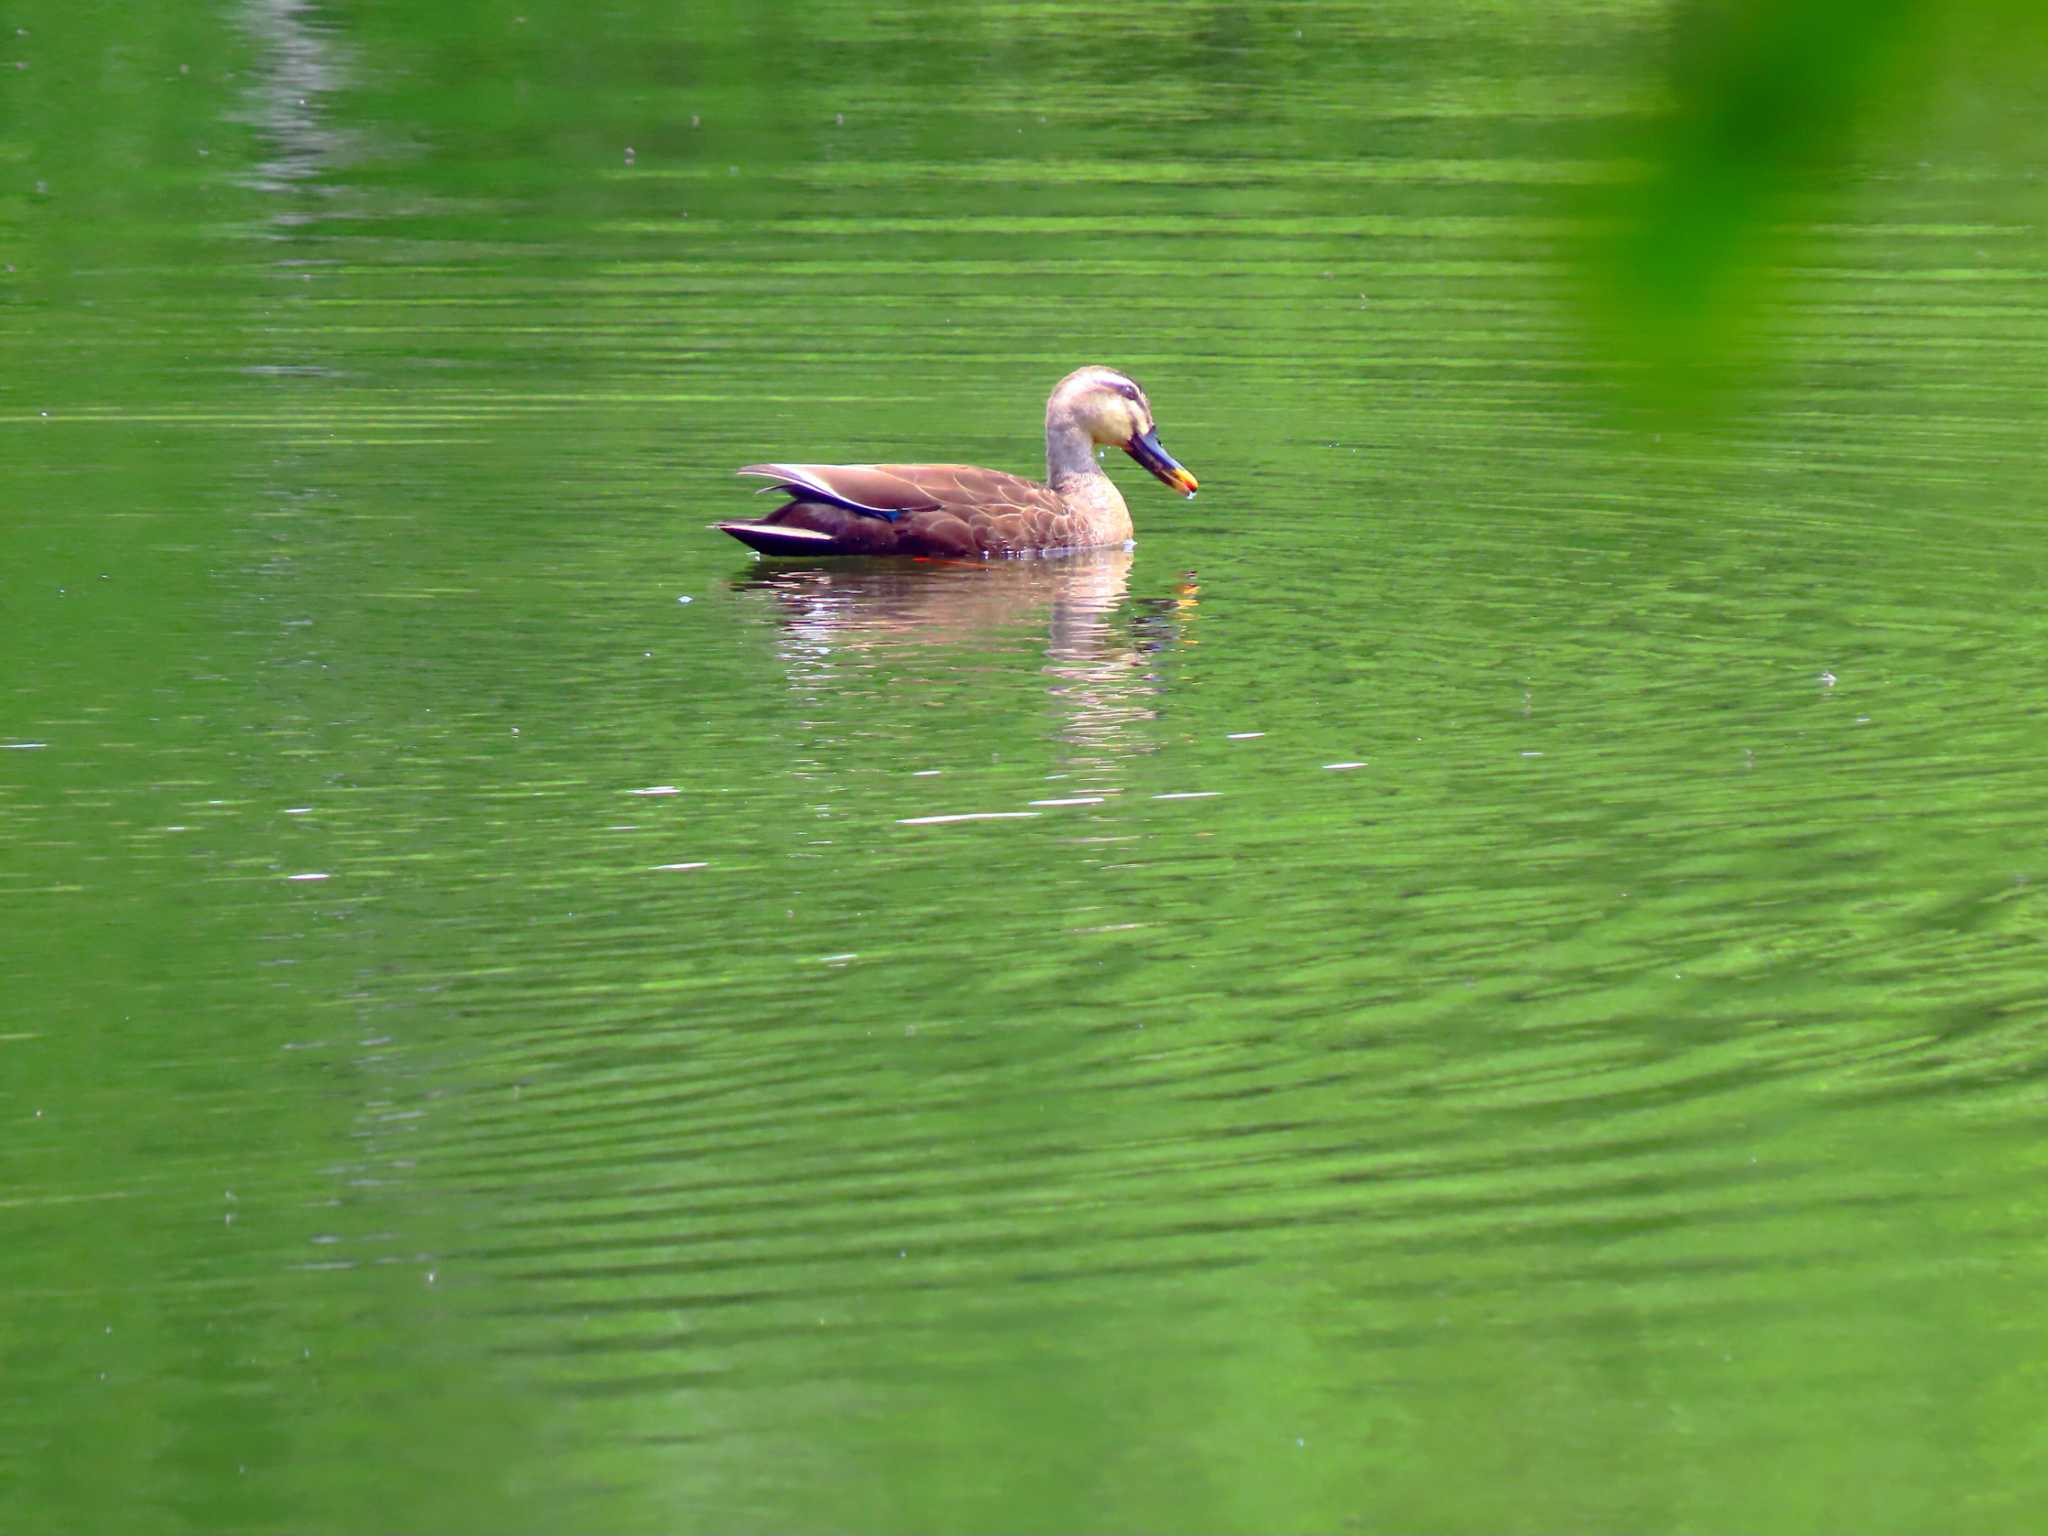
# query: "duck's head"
(1113, 409)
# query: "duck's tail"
(781, 539)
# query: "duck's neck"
(1088, 496)
(1069, 450)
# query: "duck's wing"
(874, 489)
(901, 509)
(968, 490)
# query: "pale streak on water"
(1485, 977)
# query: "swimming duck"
(961, 511)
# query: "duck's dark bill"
(1146, 450)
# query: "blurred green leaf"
(1768, 100)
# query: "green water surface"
(1488, 977)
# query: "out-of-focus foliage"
(1770, 104)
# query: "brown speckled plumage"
(963, 511)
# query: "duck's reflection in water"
(1106, 652)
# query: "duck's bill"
(1146, 450)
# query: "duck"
(961, 511)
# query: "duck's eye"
(1128, 391)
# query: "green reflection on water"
(1487, 980)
